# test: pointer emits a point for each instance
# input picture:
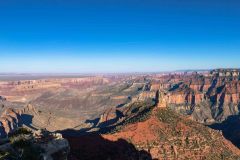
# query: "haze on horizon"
(69, 36)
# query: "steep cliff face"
(11, 118)
(9, 121)
(209, 97)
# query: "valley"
(175, 115)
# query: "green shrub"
(20, 131)
(168, 116)
(4, 155)
(28, 149)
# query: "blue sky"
(64, 36)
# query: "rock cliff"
(9, 121)
(207, 97)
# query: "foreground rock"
(19, 140)
(41, 145)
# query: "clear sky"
(79, 36)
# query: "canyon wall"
(11, 118)
(207, 97)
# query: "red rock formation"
(9, 121)
(219, 88)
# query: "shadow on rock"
(230, 129)
(26, 119)
(95, 147)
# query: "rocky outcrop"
(9, 122)
(146, 95)
(55, 146)
(39, 144)
(11, 118)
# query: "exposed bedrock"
(207, 97)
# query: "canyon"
(156, 116)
